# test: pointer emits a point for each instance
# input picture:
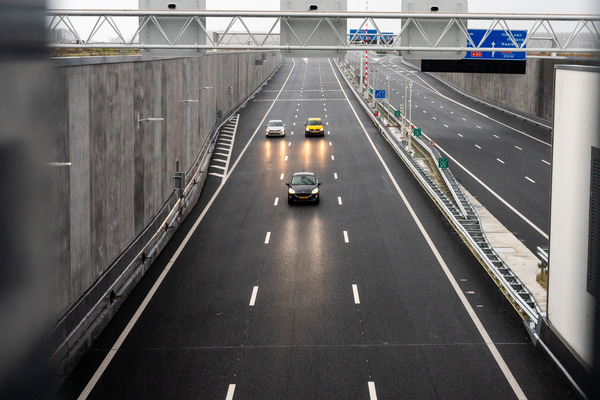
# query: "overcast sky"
(482, 6)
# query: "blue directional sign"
(497, 39)
(380, 94)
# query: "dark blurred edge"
(26, 201)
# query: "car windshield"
(275, 123)
(303, 180)
(314, 122)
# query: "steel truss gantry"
(545, 32)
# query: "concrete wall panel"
(122, 169)
(531, 93)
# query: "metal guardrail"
(460, 213)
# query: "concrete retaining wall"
(531, 93)
(121, 171)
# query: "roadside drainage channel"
(456, 207)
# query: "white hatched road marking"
(529, 179)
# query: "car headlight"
(291, 191)
(315, 191)
(321, 129)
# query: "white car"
(275, 127)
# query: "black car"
(303, 186)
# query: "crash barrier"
(452, 201)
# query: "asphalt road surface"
(368, 295)
(502, 159)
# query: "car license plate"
(303, 197)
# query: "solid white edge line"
(372, 391)
(484, 115)
(496, 195)
(355, 293)
(113, 351)
(230, 392)
(253, 297)
(480, 328)
(346, 237)
(268, 237)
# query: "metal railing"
(66, 29)
(459, 212)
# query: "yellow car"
(314, 126)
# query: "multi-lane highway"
(368, 295)
(504, 160)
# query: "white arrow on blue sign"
(380, 94)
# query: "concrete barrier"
(125, 127)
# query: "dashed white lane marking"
(500, 161)
(332, 157)
(434, 118)
(268, 237)
(289, 144)
(464, 119)
(478, 126)
(529, 179)
(281, 177)
(424, 111)
(476, 321)
(497, 137)
(230, 392)
(339, 200)
(253, 297)
(460, 135)
(518, 148)
(330, 143)
(335, 175)
(276, 201)
(355, 293)
(445, 125)
(372, 391)
(286, 158)
(346, 237)
(546, 162)
(478, 146)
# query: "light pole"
(410, 102)
(388, 92)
